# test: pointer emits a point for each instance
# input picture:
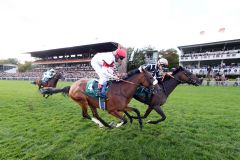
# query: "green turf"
(202, 123)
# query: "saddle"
(92, 88)
(144, 92)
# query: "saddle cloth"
(92, 88)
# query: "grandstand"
(74, 62)
(8, 68)
(221, 56)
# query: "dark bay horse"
(119, 95)
(51, 83)
(163, 90)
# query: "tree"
(137, 60)
(172, 57)
(25, 67)
(9, 61)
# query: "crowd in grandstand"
(213, 53)
(218, 69)
(73, 73)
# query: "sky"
(34, 25)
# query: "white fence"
(220, 83)
(34, 78)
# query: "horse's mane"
(180, 68)
(131, 73)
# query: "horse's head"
(185, 76)
(58, 75)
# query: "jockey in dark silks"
(159, 70)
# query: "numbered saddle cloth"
(92, 88)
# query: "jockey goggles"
(121, 57)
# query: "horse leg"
(147, 112)
(161, 113)
(98, 119)
(118, 115)
(129, 116)
(138, 115)
(39, 86)
(84, 106)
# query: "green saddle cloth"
(92, 88)
(142, 91)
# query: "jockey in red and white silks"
(103, 64)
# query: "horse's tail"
(65, 90)
(51, 91)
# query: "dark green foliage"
(25, 67)
(9, 61)
(202, 123)
(172, 57)
(138, 59)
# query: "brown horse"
(161, 92)
(119, 95)
(51, 83)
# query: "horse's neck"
(53, 81)
(170, 85)
(127, 89)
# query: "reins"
(180, 80)
(128, 82)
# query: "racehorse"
(119, 95)
(161, 92)
(50, 83)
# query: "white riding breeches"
(103, 78)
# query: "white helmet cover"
(163, 61)
(52, 70)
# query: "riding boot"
(98, 94)
(103, 90)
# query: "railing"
(205, 83)
(34, 78)
(220, 83)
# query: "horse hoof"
(149, 121)
(119, 124)
(101, 126)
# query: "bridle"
(192, 81)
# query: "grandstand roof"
(91, 48)
(210, 44)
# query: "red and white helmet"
(121, 53)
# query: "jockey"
(48, 75)
(103, 64)
(158, 70)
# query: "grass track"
(202, 123)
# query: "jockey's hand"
(115, 77)
(121, 75)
